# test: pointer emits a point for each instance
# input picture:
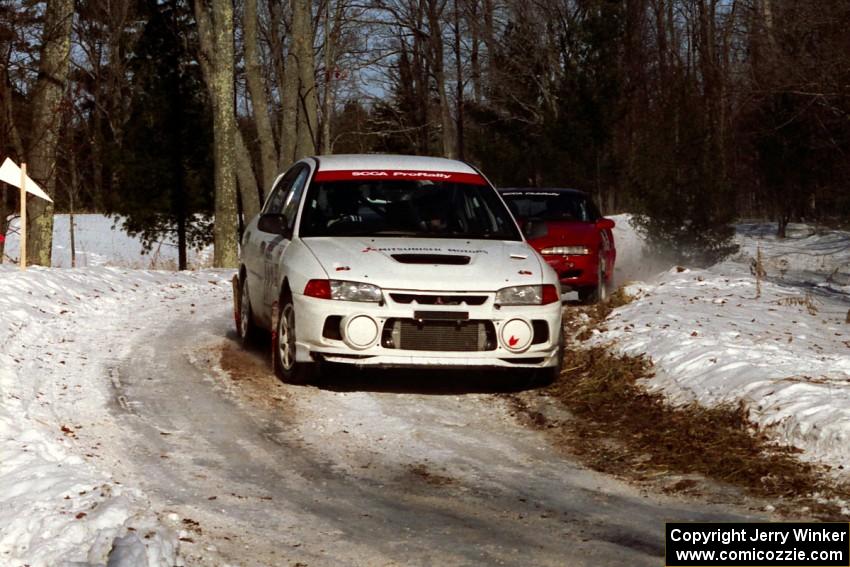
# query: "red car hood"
(567, 233)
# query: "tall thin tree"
(215, 31)
(53, 74)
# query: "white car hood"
(493, 264)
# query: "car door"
(273, 246)
(254, 242)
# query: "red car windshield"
(551, 205)
(406, 208)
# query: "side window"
(293, 199)
(279, 192)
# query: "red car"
(566, 228)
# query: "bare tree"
(435, 11)
(332, 32)
(259, 101)
(302, 49)
(9, 137)
(215, 29)
(459, 84)
(46, 119)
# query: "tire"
(542, 377)
(286, 366)
(246, 328)
(597, 293)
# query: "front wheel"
(597, 293)
(542, 377)
(286, 366)
(246, 328)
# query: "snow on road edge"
(58, 503)
(784, 354)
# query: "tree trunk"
(782, 225)
(8, 132)
(474, 59)
(46, 119)
(459, 83)
(179, 205)
(308, 102)
(289, 110)
(4, 225)
(247, 181)
(259, 100)
(278, 69)
(490, 45)
(328, 101)
(182, 261)
(10, 129)
(438, 65)
(215, 30)
(72, 193)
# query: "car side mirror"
(605, 224)
(273, 224)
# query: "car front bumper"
(575, 272)
(492, 322)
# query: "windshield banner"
(447, 176)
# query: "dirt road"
(378, 468)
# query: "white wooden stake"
(17, 177)
(23, 236)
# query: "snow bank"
(783, 353)
(808, 257)
(58, 503)
(100, 241)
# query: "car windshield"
(551, 206)
(408, 208)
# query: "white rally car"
(379, 260)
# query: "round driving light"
(359, 331)
(516, 335)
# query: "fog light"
(516, 335)
(359, 331)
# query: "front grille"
(569, 274)
(446, 336)
(447, 299)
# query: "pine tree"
(168, 186)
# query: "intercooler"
(446, 336)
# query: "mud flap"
(237, 300)
(275, 317)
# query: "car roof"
(527, 190)
(348, 162)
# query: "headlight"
(342, 290)
(355, 291)
(566, 251)
(528, 295)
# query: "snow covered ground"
(116, 445)
(64, 497)
(785, 353)
(59, 499)
(100, 241)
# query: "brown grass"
(718, 442)
(618, 427)
(808, 301)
